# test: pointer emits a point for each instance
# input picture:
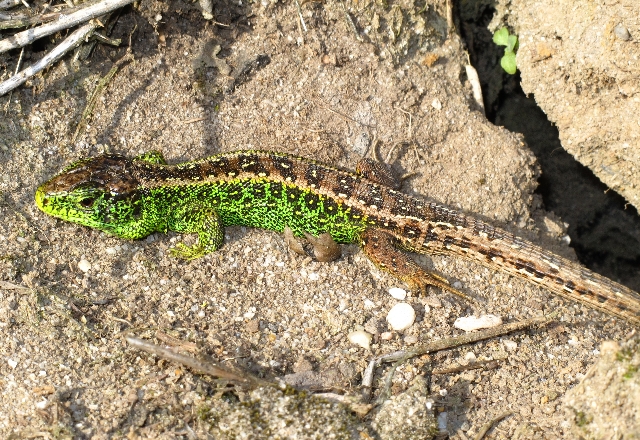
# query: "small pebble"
(302, 365)
(360, 338)
(470, 357)
(398, 293)
(410, 340)
(368, 304)
(509, 344)
(84, 265)
(622, 32)
(253, 326)
(471, 323)
(609, 347)
(442, 421)
(361, 144)
(401, 316)
(386, 336)
(12, 363)
(432, 301)
(375, 326)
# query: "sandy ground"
(264, 82)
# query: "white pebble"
(386, 336)
(509, 344)
(401, 316)
(84, 265)
(12, 363)
(410, 339)
(398, 293)
(368, 304)
(470, 323)
(442, 421)
(360, 338)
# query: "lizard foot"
(188, 253)
(379, 246)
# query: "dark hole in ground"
(604, 229)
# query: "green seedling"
(503, 38)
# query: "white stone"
(442, 421)
(470, 356)
(42, 404)
(471, 323)
(509, 344)
(410, 339)
(398, 293)
(368, 304)
(12, 363)
(386, 336)
(401, 316)
(360, 338)
(84, 265)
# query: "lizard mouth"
(41, 200)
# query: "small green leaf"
(508, 62)
(512, 41)
(501, 37)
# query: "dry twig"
(66, 21)
(18, 20)
(487, 426)
(210, 368)
(58, 52)
(91, 102)
(401, 356)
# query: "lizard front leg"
(194, 219)
(380, 247)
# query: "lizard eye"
(87, 202)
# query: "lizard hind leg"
(377, 172)
(380, 247)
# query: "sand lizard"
(132, 198)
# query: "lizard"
(134, 197)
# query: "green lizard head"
(100, 192)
